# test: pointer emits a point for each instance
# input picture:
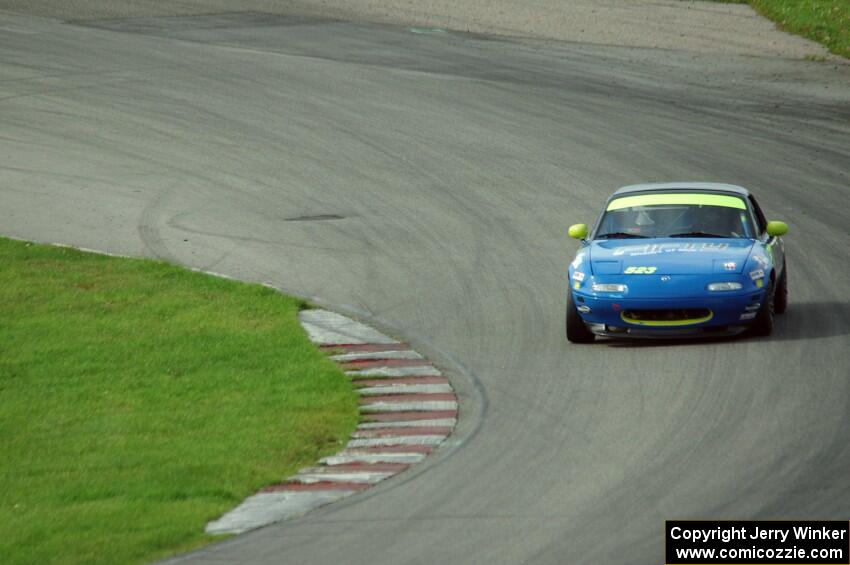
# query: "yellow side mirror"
(579, 231)
(775, 228)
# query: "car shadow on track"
(802, 321)
(812, 320)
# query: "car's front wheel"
(577, 331)
(781, 300)
(763, 324)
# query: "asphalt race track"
(424, 182)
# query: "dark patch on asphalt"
(168, 25)
(315, 218)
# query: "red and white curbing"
(407, 409)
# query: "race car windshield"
(727, 219)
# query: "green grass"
(824, 21)
(139, 400)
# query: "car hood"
(669, 256)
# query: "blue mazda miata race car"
(677, 260)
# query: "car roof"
(683, 186)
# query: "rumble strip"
(407, 408)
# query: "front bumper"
(731, 314)
(678, 333)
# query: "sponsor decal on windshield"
(667, 199)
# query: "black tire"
(577, 331)
(763, 324)
(780, 303)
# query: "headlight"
(609, 287)
(722, 286)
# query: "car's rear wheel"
(577, 331)
(780, 303)
(763, 324)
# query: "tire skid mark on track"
(407, 409)
(149, 230)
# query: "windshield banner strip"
(662, 199)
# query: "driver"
(719, 220)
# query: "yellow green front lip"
(666, 323)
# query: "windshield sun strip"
(676, 198)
